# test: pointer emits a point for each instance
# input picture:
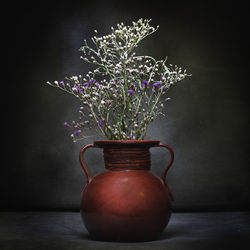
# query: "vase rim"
(145, 143)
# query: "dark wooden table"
(64, 230)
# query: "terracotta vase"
(126, 202)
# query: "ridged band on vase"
(127, 158)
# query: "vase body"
(126, 202)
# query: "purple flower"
(100, 123)
(76, 132)
(61, 82)
(144, 83)
(77, 88)
(130, 91)
(141, 74)
(132, 136)
(168, 99)
(66, 124)
(91, 81)
(157, 84)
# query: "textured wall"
(207, 121)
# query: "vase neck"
(132, 158)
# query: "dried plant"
(125, 92)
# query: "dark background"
(207, 121)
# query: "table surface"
(64, 230)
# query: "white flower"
(75, 78)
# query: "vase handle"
(88, 178)
(167, 167)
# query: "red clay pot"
(126, 202)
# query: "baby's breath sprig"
(125, 92)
